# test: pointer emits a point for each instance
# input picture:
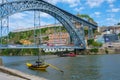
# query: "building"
(111, 37)
(111, 29)
(59, 39)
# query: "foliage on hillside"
(87, 17)
(93, 43)
(27, 37)
(119, 34)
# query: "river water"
(84, 67)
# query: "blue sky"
(104, 12)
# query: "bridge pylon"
(4, 28)
(90, 33)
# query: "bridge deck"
(40, 46)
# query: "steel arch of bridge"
(10, 8)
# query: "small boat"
(71, 54)
(37, 66)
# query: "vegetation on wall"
(95, 50)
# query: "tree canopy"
(86, 17)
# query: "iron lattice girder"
(9, 8)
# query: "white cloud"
(45, 23)
(94, 3)
(45, 15)
(111, 5)
(18, 16)
(79, 9)
(97, 13)
(22, 24)
(110, 1)
(109, 19)
(26, 20)
(72, 3)
(114, 10)
(52, 1)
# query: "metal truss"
(65, 18)
(37, 38)
(90, 33)
(4, 28)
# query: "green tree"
(94, 43)
(87, 17)
(90, 41)
(95, 50)
(119, 34)
(46, 38)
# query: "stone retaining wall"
(19, 74)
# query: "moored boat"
(37, 66)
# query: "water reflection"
(95, 67)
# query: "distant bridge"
(38, 27)
(64, 17)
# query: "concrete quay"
(11, 74)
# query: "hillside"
(27, 37)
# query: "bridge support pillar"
(4, 28)
(75, 51)
(90, 33)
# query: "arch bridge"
(65, 18)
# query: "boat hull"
(37, 67)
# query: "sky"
(104, 12)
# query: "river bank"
(96, 51)
(11, 74)
(90, 51)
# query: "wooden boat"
(37, 66)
